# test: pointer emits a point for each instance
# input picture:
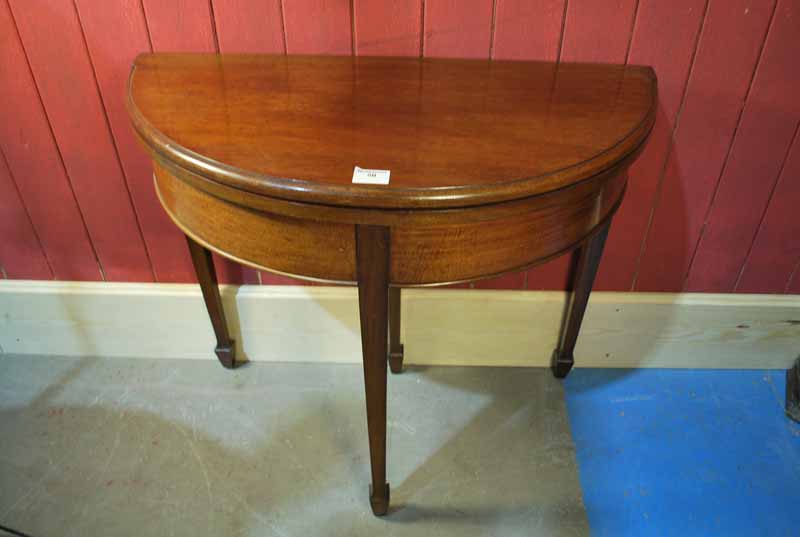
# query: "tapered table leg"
(372, 253)
(586, 262)
(207, 277)
(395, 347)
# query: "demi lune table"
(474, 168)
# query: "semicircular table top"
(453, 133)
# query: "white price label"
(371, 177)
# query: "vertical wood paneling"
(249, 26)
(593, 32)
(793, 288)
(527, 29)
(598, 30)
(187, 26)
(318, 27)
(761, 144)
(21, 255)
(664, 36)
(180, 25)
(115, 33)
(458, 28)
(64, 76)
(35, 164)
(387, 28)
(715, 181)
(723, 68)
(776, 249)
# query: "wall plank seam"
(283, 27)
(146, 26)
(563, 31)
(52, 135)
(792, 277)
(353, 50)
(27, 215)
(422, 28)
(104, 107)
(766, 207)
(634, 20)
(214, 32)
(734, 137)
(670, 146)
(492, 29)
(734, 99)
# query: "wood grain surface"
(313, 249)
(452, 132)
(430, 245)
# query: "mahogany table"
(493, 166)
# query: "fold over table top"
(453, 133)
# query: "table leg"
(395, 347)
(372, 262)
(586, 261)
(207, 277)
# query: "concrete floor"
(143, 447)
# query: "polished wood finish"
(553, 223)
(207, 277)
(495, 166)
(395, 347)
(428, 248)
(452, 132)
(275, 242)
(372, 253)
(586, 262)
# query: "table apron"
(453, 246)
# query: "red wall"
(710, 203)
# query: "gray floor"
(143, 447)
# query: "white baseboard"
(440, 326)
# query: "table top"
(453, 133)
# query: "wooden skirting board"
(440, 326)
